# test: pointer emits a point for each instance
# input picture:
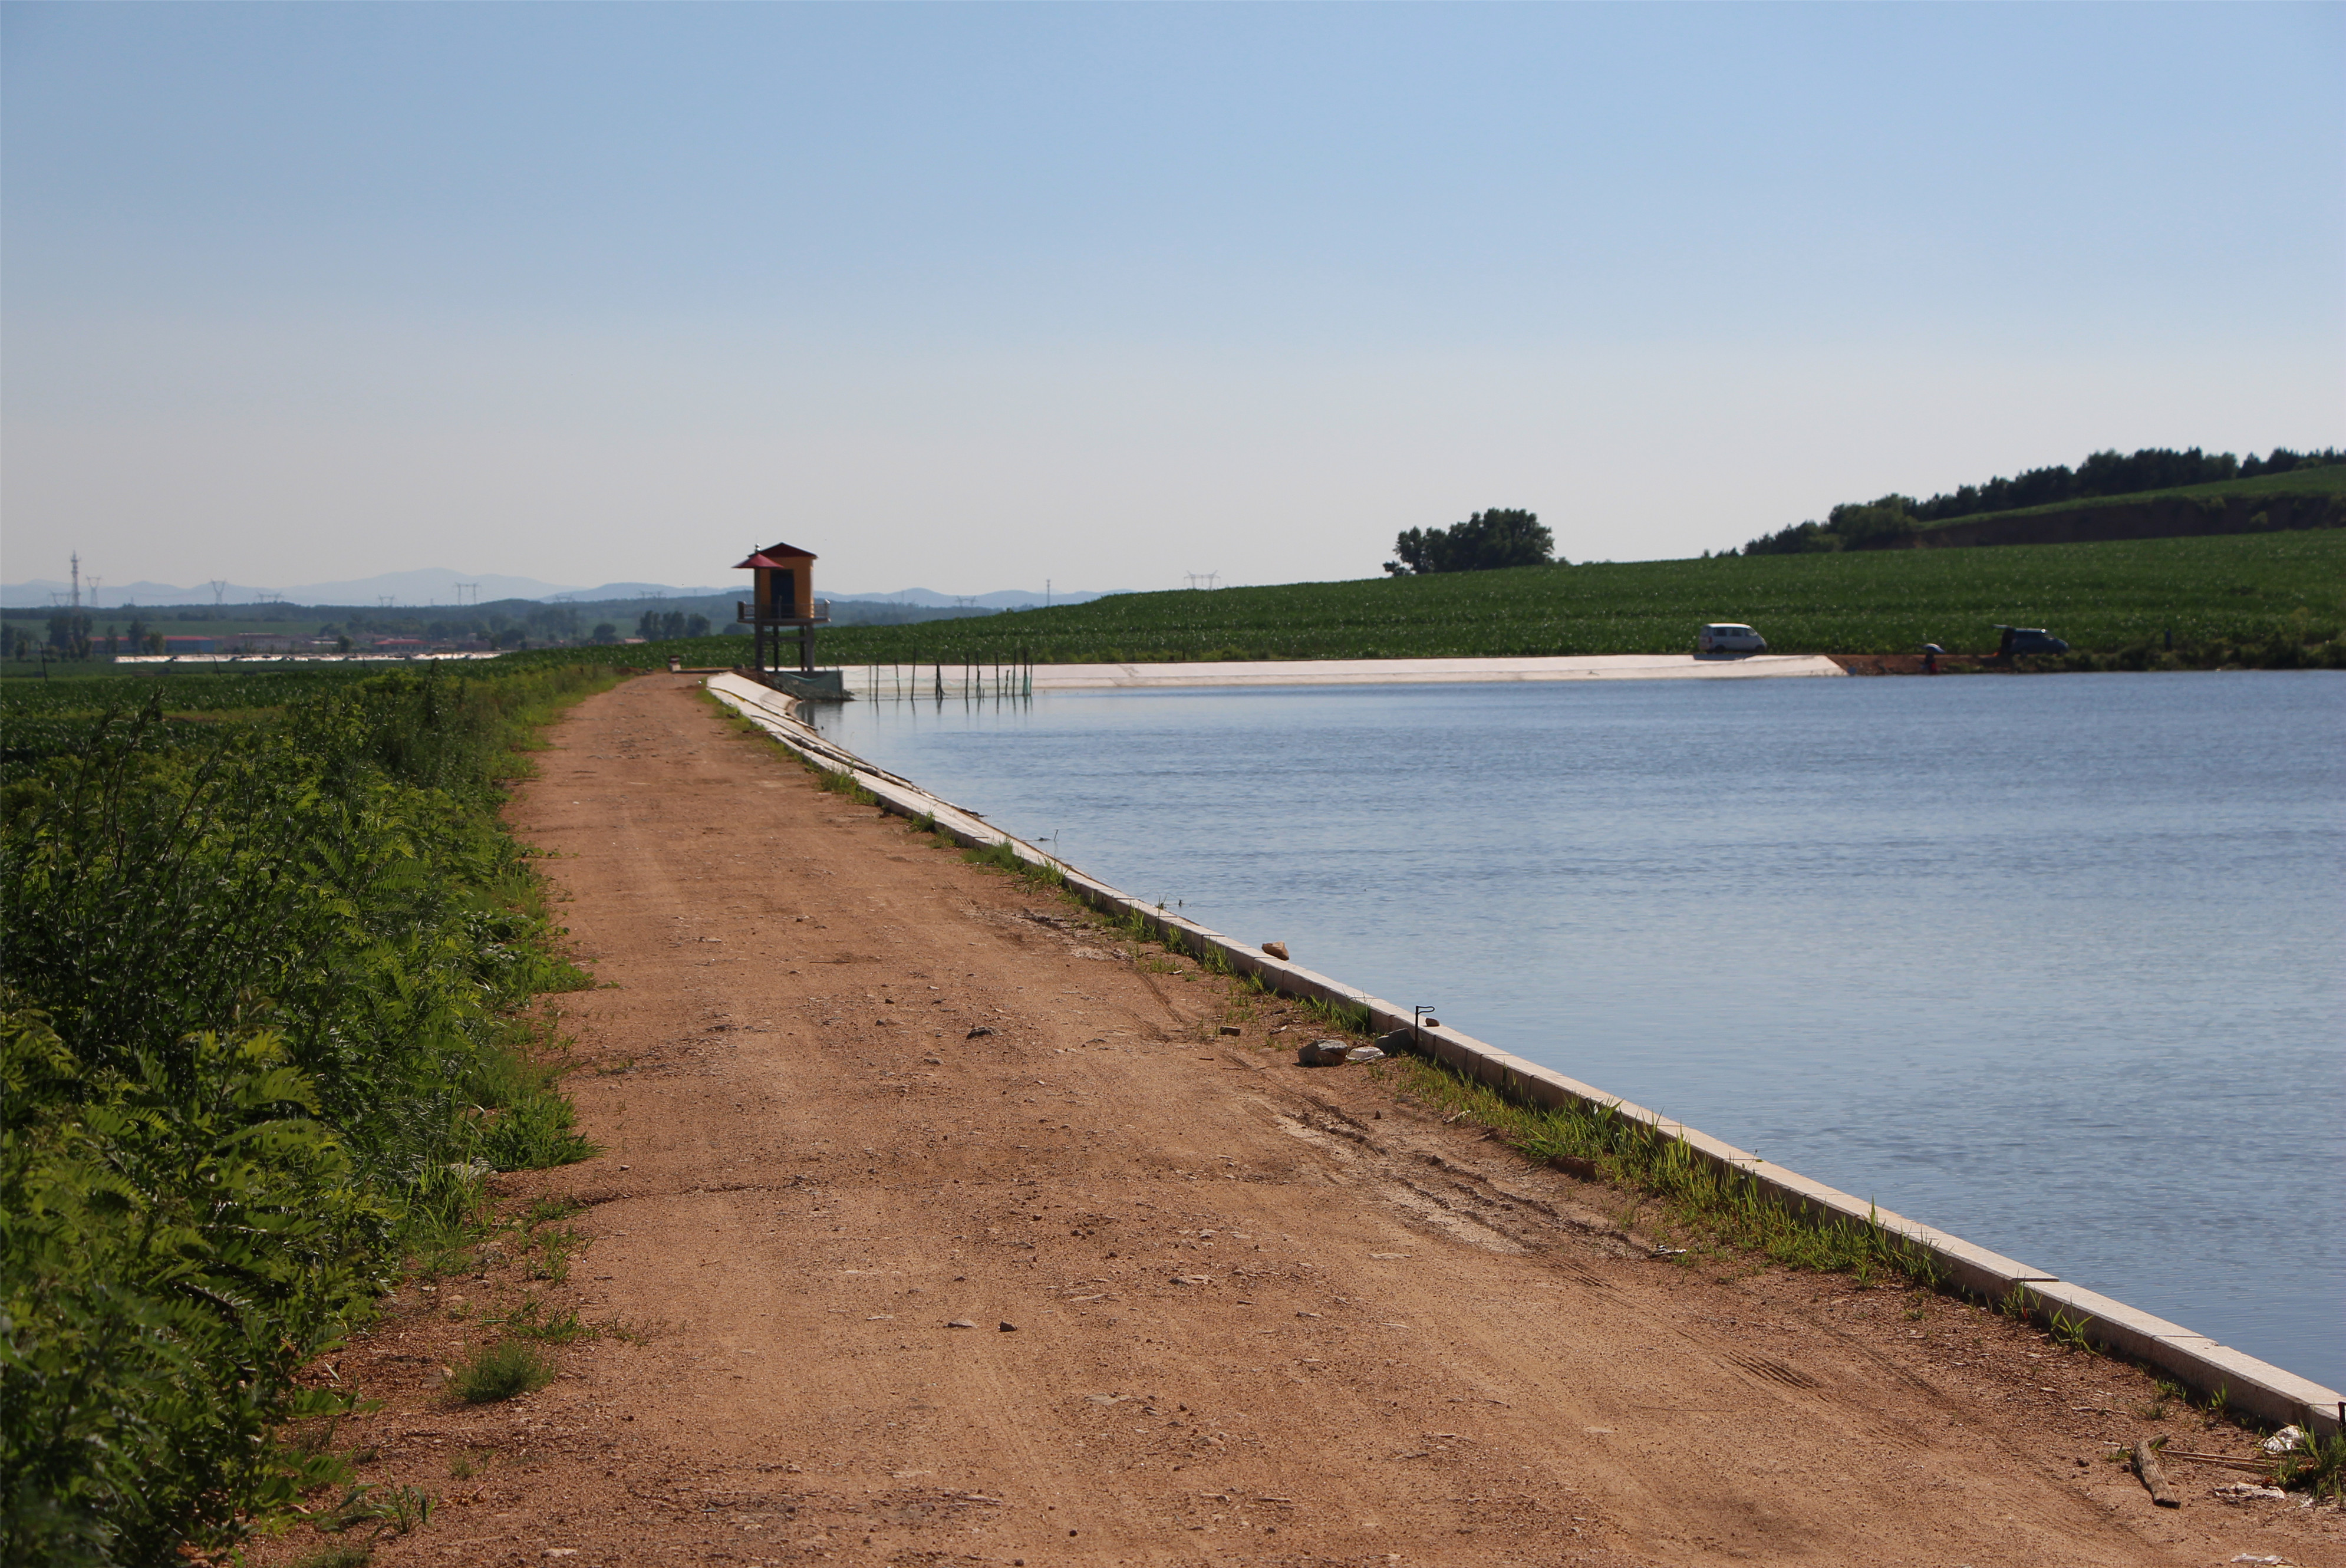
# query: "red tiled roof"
(776, 557)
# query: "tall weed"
(257, 1043)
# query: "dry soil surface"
(942, 1226)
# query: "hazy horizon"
(986, 295)
(439, 588)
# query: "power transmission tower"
(219, 585)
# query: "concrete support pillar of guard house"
(781, 599)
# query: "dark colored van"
(2028, 641)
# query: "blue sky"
(970, 295)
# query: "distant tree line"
(1486, 541)
(509, 624)
(2103, 473)
(664, 626)
(62, 632)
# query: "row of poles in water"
(972, 682)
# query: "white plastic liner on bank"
(2260, 1388)
(949, 679)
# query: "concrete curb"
(2262, 1389)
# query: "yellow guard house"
(782, 597)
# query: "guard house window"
(784, 587)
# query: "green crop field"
(223, 688)
(44, 717)
(2215, 594)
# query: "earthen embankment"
(937, 1223)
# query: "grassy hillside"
(2327, 481)
(2212, 594)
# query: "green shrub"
(843, 783)
(335, 1555)
(2317, 1465)
(396, 1509)
(1003, 856)
(500, 1371)
(258, 1044)
(178, 1236)
(532, 1319)
(1699, 1201)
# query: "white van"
(1730, 637)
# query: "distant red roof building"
(781, 596)
(775, 557)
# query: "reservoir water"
(2057, 963)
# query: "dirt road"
(946, 1231)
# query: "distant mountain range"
(438, 586)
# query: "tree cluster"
(666, 625)
(530, 623)
(2103, 473)
(1486, 541)
(70, 634)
